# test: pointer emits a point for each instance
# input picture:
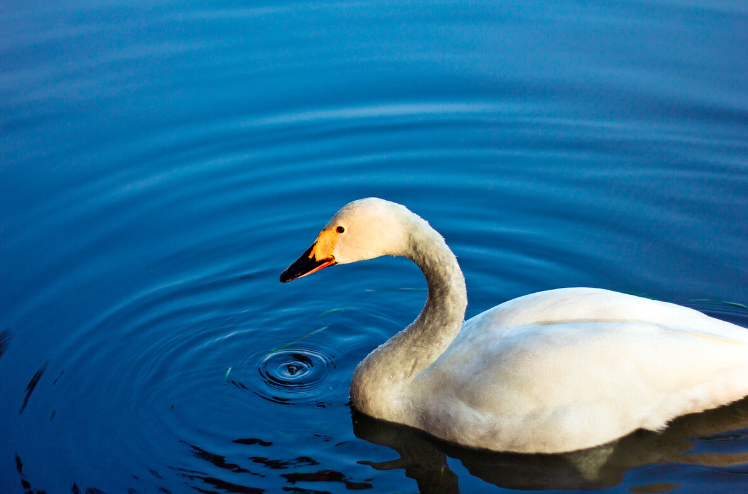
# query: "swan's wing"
(654, 372)
(567, 305)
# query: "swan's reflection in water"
(717, 438)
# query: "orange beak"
(318, 256)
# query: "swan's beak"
(316, 257)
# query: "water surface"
(163, 162)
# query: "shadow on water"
(5, 337)
(32, 385)
(30, 489)
(313, 475)
(692, 440)
(212, 484)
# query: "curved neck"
(444, 312)
(379, 377)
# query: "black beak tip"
(285, 277)
(300, 267)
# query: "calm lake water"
(162, 162)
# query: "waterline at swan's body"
(553, 371)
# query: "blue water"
(162, 162)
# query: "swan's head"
(361, 230)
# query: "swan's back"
(573, 368)
(567, 305)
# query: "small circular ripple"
(293, 377)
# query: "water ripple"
(295, 376)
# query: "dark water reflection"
(697, 440)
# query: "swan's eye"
(340, 229)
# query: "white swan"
(554, 371)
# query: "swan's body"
(553, 371)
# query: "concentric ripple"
(295, 376)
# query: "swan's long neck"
(379, 378)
